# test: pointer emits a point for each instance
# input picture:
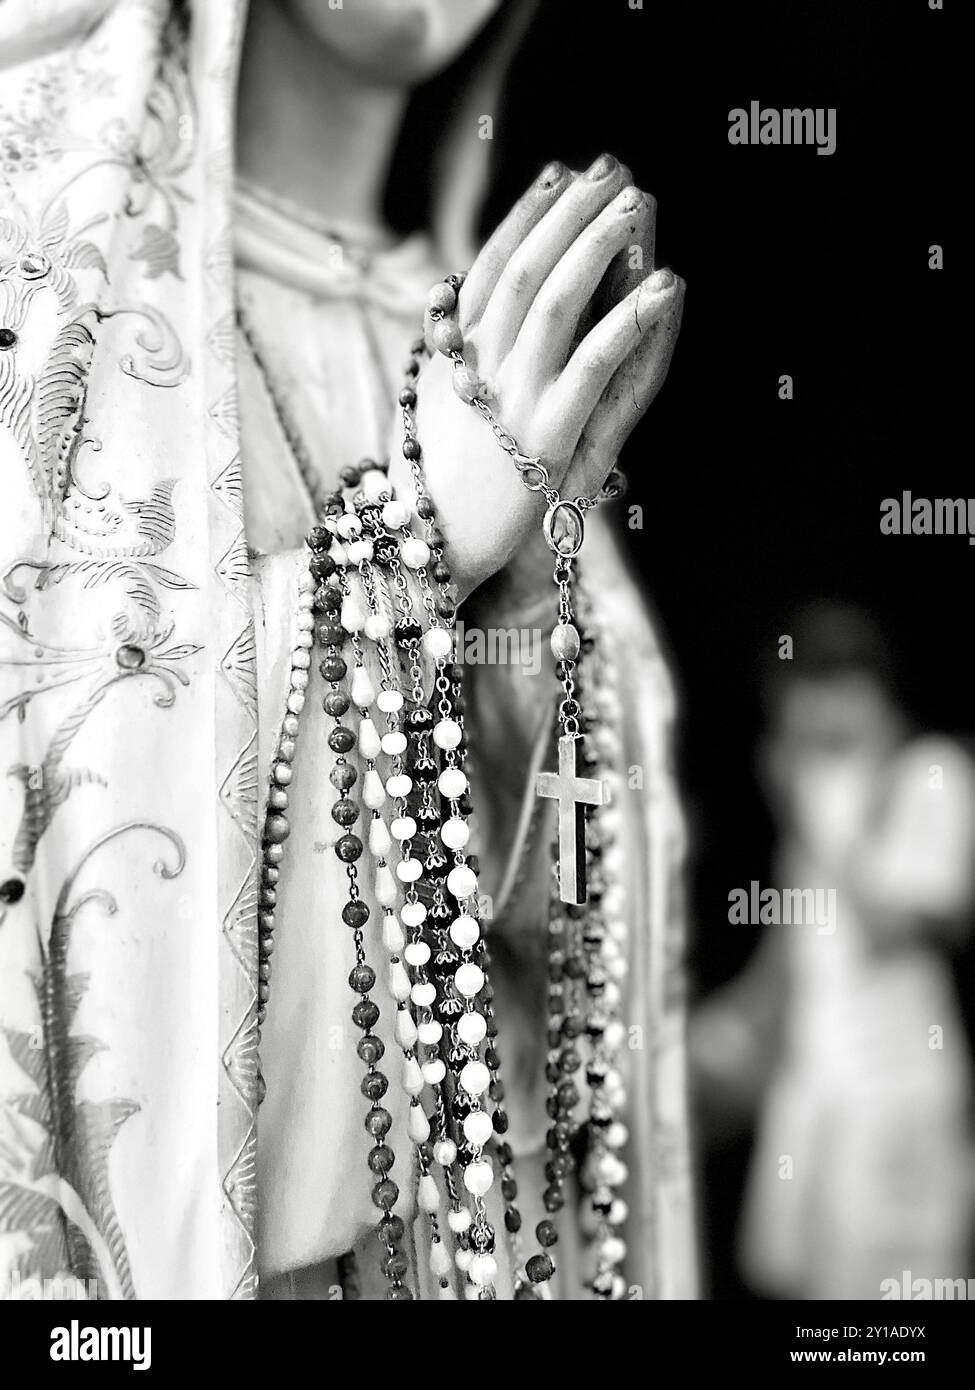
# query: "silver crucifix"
(572, 793)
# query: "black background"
(796, 263)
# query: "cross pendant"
(572, 793)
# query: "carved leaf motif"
(84, 255)
(159, 250)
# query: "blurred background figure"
(850, 1044)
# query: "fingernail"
(631, 199)
(662, 279)
(552, 174)
(601, 167)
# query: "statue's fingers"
(530, 208)
(551, 327)
(535, 258)
(605, 349)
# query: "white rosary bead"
(430, 1032)
(305, 622)
(418, 1126)
(445, 1152)
(409, 870)
(483, 1270)
(348, 526)
(463, 1259)
(377, 626)
(469, 980)
(353, 615)
(617, 1135)
(395, 515)
(459, 1221)
(359, 550)
(441, 1264)
(305, 637)
(479, 1178)
(475, 1078)
(295, 702)
(394, 743)
(414, 914)
(417, 953)
(414, 553)
(399, 785)
(299, 680)
(362, 690)
(434, 1071)
(403, 828)
(385, 886)
(389, 701)
(374, 483)
(471, 1029)
(452, 783)
(394, 937)
(618, 1212)
(369, 744)
(446, 733)
(455, 833)
(405, 1028)
(478, 1128)
(307, 584)
(412, 1076)
(464, 931)
(379, 842)
(373, 794)
(423, 994)
(611, 1251)
(438, 643)
(462, 881)
(399, 981)
(427, 1196)
(339, 554)
(300, 659)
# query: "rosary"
(407, 799)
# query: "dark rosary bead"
(362, 978)
(441, 572)
(572, 1027)
(575, 968)
(383, 550)
(554, 1034)
(553, 1199)
(330, 632)
(436, 539)
(411, 450)
(512, 1220)
(424, 770)
(570, 1061)
(561, 1165)
(370, 1048)
(559, 1135)
(365, 1015)
(333, 668)
(552, 1072)
(348, 848)
(407, 630)
(407, 396)
(381, 1158)
(385, 1194)
(496, 1091)
(425, 508)
(322, 566)
(546, 1234)
(491, 1023)
(328, 599)
(341, 740)
(419, 717)
(568, 1095)
(374, 1085)
(343, 776)
(396, 1265)
(491, 1058)
(350, 474)
(505, 1155)
(509, 1189)
(263, 992)
(319, 538)
(445, 607)
(345, 812)
(539, 1268)
(333, 504)
(474, 864)
(336, 703)
(378, 1122)
(500, 1122)
(399, 1293)
(465, 805)
(355, 913)
(391, 1229)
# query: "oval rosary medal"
(564, 528)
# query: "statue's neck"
(309, 129)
